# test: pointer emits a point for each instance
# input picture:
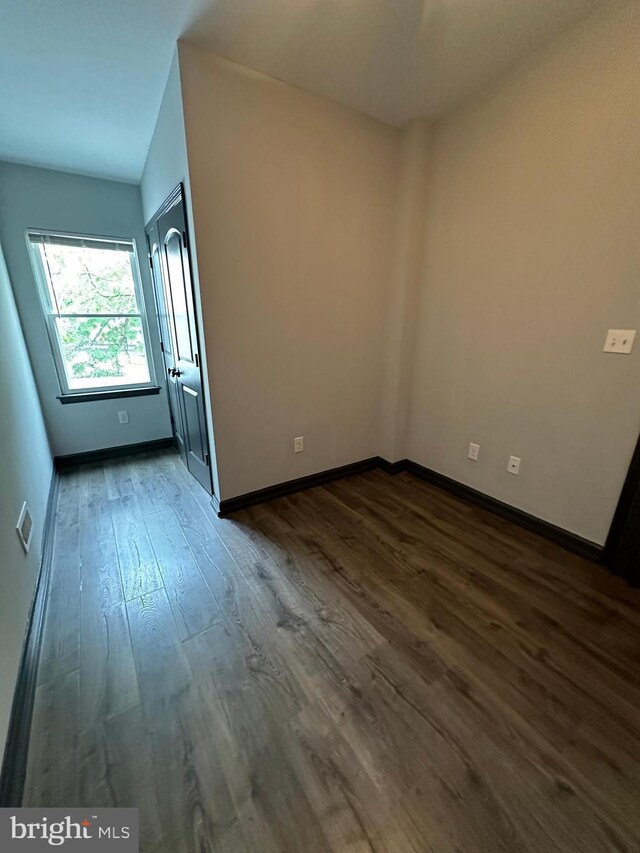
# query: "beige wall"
(403, 293)
(532, 252)
(404, 287)
(294, 208)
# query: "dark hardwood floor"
(371, 665)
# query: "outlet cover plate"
(514, 465)
(619, 340)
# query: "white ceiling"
(81, 80)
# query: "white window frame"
(50, 311)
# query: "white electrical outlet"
(474, 451)
(514, 465)
(298, 444)
(123, 417)
(619, 340)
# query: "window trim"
(93, 396)
(49, 315)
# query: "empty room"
(320, 426)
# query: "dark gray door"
(166, 339)
(622, 550)
(169, 255)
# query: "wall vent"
(25, 527)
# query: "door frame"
(624, 516)
(176, 196)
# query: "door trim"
(623, 509)
(172, 199)
(176, 196)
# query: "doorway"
(168, 246)
(622, 550)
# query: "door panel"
(193, 409)
(166, 339)
(161, 305)
(176, 314)
(173, 250)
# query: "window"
(93, 305)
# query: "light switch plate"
(619, 340)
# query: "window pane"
(89, 281)
(100, 351)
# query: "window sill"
(92, 396)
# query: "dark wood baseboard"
(14, 764)
(291, 486)
(570, 541)
(392, 467)
(112, 452)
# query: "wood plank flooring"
(371, 665)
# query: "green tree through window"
(91, 295)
